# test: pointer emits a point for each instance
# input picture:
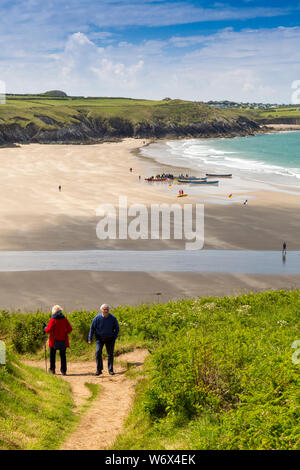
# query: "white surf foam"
(200, 155)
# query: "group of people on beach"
(163, 175)
(104, 326)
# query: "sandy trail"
(104, 419)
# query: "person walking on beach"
(58, 329)
(105, 327)
(284, 248)
(59, 188)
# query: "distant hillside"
(56, 93)
(47, 118)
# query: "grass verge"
(36, 409)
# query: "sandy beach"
(283, 127)
(35, 215)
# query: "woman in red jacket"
(58, 329)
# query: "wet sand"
(35, 215)
(76, 290)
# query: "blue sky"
(245, 50)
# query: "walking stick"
(45, 346)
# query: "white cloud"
(249, 65)
(96, 70)
(162, 14)
(43, 24)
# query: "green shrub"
(27, 332)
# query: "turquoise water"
(269, 158)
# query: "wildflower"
(282, 322)
(243, 308)
(210, 306)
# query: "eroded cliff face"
(92, 130)
(216, 128)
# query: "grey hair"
(56, 309)
(103, 306)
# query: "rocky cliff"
(90, 130)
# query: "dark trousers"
(63, 360)
(109, 344)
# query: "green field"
(219, 375)
(278, 113)
(265, 115)
(65, 111)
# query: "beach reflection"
(219, 261)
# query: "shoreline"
(100, 174)
(245, 183)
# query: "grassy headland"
(56, 117)
(220, 373)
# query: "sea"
(267, 158)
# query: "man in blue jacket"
(106, 329)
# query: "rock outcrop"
(90, 130)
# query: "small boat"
(200, 182)
(211, 175)
(155, 179)
(188, 178)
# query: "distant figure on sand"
(106, 329)
(245, 202)
(139, 178)
(130, 169)
(58, 329)
(284, 248)
(59, 188)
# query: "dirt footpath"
(104, 419)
